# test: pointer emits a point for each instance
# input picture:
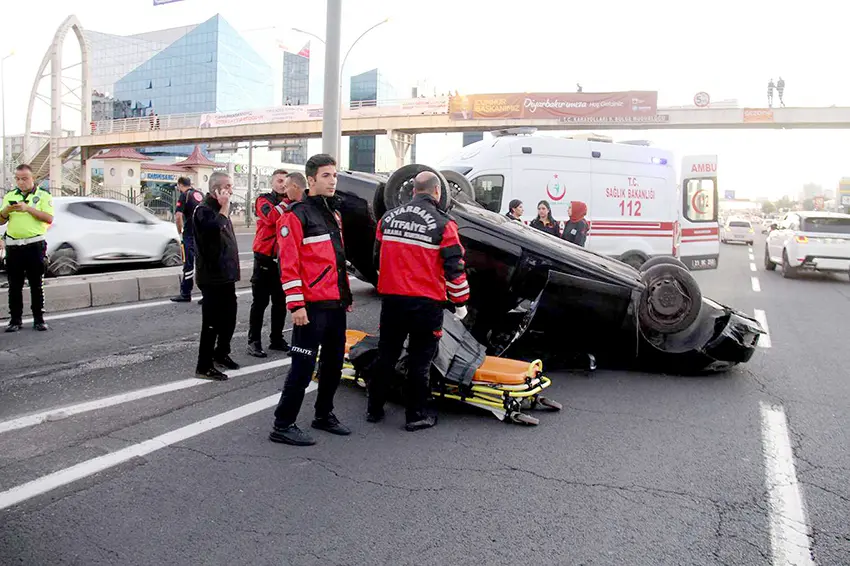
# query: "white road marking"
(789, 530)
(752, 257)
(752, 267)
(246, 253)
(65, 412)
(750, 250)
(119, 308)
(90, 467)
(756, 284)
(764, 340)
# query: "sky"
(678, 48)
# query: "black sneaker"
(181, 299)
(291, 435)
(279, 345)
(40, 326)
(330, 424)
(226, 362)
(211, 373)
(255, 349)
(374, 416)
(420, 424)
(14, 327)
(201, 301)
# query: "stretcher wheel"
(550, 403)
(522, 418)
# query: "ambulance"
(636, 207)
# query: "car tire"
(671, 301)
(173, 255)
(458, 184)
(63, 262)
(399, 188)
(662, 260)
(768, 265)
(633, 259)
(788, 272)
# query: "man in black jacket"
(216, 272)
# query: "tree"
(809, 204)
(768, 207)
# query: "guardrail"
(361, 109)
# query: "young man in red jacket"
(315, 281)
(265, 281)
(421, 268)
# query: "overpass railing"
(355, 109)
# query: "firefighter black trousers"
(265, 287)
(326, 329)
(218, 321)
(421, 320)
(26, 263)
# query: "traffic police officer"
(218, 272)
(265, 281)
(421, 268)
(187, 201)
(315, 281)
(28, 211)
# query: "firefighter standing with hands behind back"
(421, 266)
(314, 278)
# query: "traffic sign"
(701, 99)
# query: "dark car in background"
(536, 296)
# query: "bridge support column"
(401, 142)
(85, 170)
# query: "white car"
(737, 230)
(89, 231)
(816, 241)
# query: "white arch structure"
(53, 57)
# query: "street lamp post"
(3, 117)
(337, 144)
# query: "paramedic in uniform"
(315, 281)
(265, 281)
(28, 211)
(421, 266)
(187, 201)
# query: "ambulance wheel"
(635, 260)
(172, 256)
(549, 403)
(662, 260)
(63, 262)
(671, 301)
(522, 418)
(458, 184)
(399, 187)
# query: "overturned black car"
(536, 296)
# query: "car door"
(96, 234)
(138, 238)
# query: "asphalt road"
(637, 469)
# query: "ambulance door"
(699, 230)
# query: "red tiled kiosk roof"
(124, 153)
(197, 159)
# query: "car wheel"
(63, 262)
(399, 188)
(173, 255)
(458, 184)
(788, 272)
(635, 260)
(662, 260)
(671, 301)
(768, 265)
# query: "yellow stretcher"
(501, 385)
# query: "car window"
(739, 224)
(86, 210)
(826, 225)
(700, 200)
(120, 212)
(488, 191)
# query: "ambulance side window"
(700, 196)
(488, 191)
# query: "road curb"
(84, 291)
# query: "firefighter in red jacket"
(421, 268)
(265, 281)
(315, 281)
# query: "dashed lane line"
(756, 284)
(789, 528)
(752, 257)
(79, 408)
(764, 340)
(87, 468)
(752, 267)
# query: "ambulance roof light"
(659, 161)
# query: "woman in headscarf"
(576, 229)
(515, 210)
(544, 221)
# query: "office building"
(296, 92)
(371, 154)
